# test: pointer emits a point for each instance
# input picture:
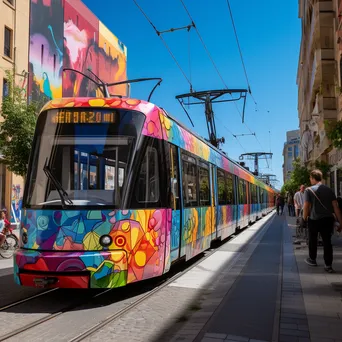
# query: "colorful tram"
(117, 191)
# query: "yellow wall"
(17, 19)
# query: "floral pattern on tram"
(140, 247)
(197, 230)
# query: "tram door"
(214, 206)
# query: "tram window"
(221, 188)
(242, 192)
(204, 187)
(174, 177)
(189, 181)
(148, 183)
(230, 188)
(109, 177)
(93, 177)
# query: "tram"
(117, 191)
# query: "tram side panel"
(227, 208)
(198, 212)
(243, 217)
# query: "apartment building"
(291, 151)
(14, 42)
(335, 156)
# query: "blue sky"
(269, 40)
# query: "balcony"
(322, 71)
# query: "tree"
(301, 175)
(17, 129)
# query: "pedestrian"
(299, 201)
(290, 204)
(4, 226)
(320, 206)
(282, 204)
(278, 203)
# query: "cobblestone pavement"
(178, 312)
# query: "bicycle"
(10, 244)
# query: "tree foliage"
(301, 175)
(334, 132)
(17, 127)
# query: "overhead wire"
(204, 45)
(240, 51)
(209, 55)
(244, 69)
(164, 42)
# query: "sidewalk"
(322, 292)
(269, 295)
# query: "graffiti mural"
(81, 34)
(139, 249)
(88, 44)
(46, 50)
(66, 34)
(112, 60)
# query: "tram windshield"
(81, 157)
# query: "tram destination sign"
(83, 117)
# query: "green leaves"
(334, 132)
(301, 175)
(17, 129)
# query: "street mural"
(16, 203)
(66, 34)
(46, 50)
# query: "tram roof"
(160, 124)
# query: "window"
(254, 198)
(88, 158)
(296, 151)
(174, 177)
(4, 88)
(204, 188)
(189, 181)
(8, 42)
(230, 188)
(221, 188)
(148, 184)
(242, 192)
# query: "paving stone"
(238, 338)
(209, 339)
(292, 332)
(288, 326)
(214, 335)
(287, 338)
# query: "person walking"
(320, 206)
(290, 204)
(299, 200)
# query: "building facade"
(14, 42)
(316, 78)
(291, 152)
(335, 156)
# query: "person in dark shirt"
(320, 206)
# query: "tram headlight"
(105, 240)
(24, 238)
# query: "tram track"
(11, 305)
(125, 303)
